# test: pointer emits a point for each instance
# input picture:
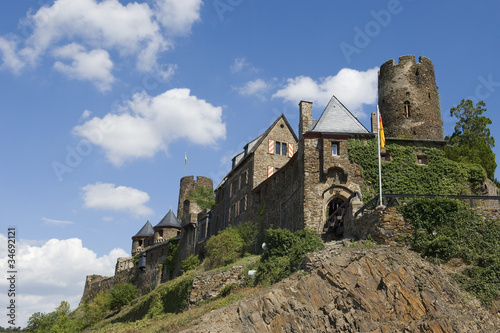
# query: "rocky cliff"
(355, 289)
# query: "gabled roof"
(337, 119)
(146, 231)
(169, 221)
(252, 145)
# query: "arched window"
(407, 109)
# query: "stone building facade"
(284, 181)
(261, 158)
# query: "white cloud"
(56, 222)
(353, 88)
(117, 198)
(178, 16)
(9, 57)
(255, 87)
(148, 124)
(241, 64)
(85, 114)
(134, 30)
(94, 66)
(52, 272)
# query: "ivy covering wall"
(402, 175)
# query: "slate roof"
(146, 231)
(337, 119)
(169, 221)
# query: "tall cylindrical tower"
(188, 184)
(408, 99)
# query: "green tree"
(248, 232)
(224, 248)
(471, 141)
(203, 196)
(122, 294)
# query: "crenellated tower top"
(408, 99)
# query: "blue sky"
(101, 100)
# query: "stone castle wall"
(383, 225)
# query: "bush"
(122, 294)
(248, 232)
(224, 248)
(190, 263)
(445, 228)
(203, 196)
(173, 252)
(95, 311)
(285, 253)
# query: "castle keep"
(287, 180)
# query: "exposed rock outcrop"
(382, 289)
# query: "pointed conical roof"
(169, 221)
(337, 119)
(146, 231)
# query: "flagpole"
(379, 158)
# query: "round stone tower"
(188, 184)
(408, 99)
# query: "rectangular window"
(335, 148)
(281, 148)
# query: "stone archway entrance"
(337, 202)
(335, 215)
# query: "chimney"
(305, 121)
(374, 122)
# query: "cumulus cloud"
(94, 66)
(353, 88)
(52, 272)
(147, 124)
(178, 16)
(117, 198)
(255, 87)
(135, 30)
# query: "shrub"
(285, 253)
(203, 196)
(446, 228)
(95, 311)
(248, 232)
(122, 294)
(173, 251)
(224, 248)
(190, 263)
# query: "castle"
(287, 181)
